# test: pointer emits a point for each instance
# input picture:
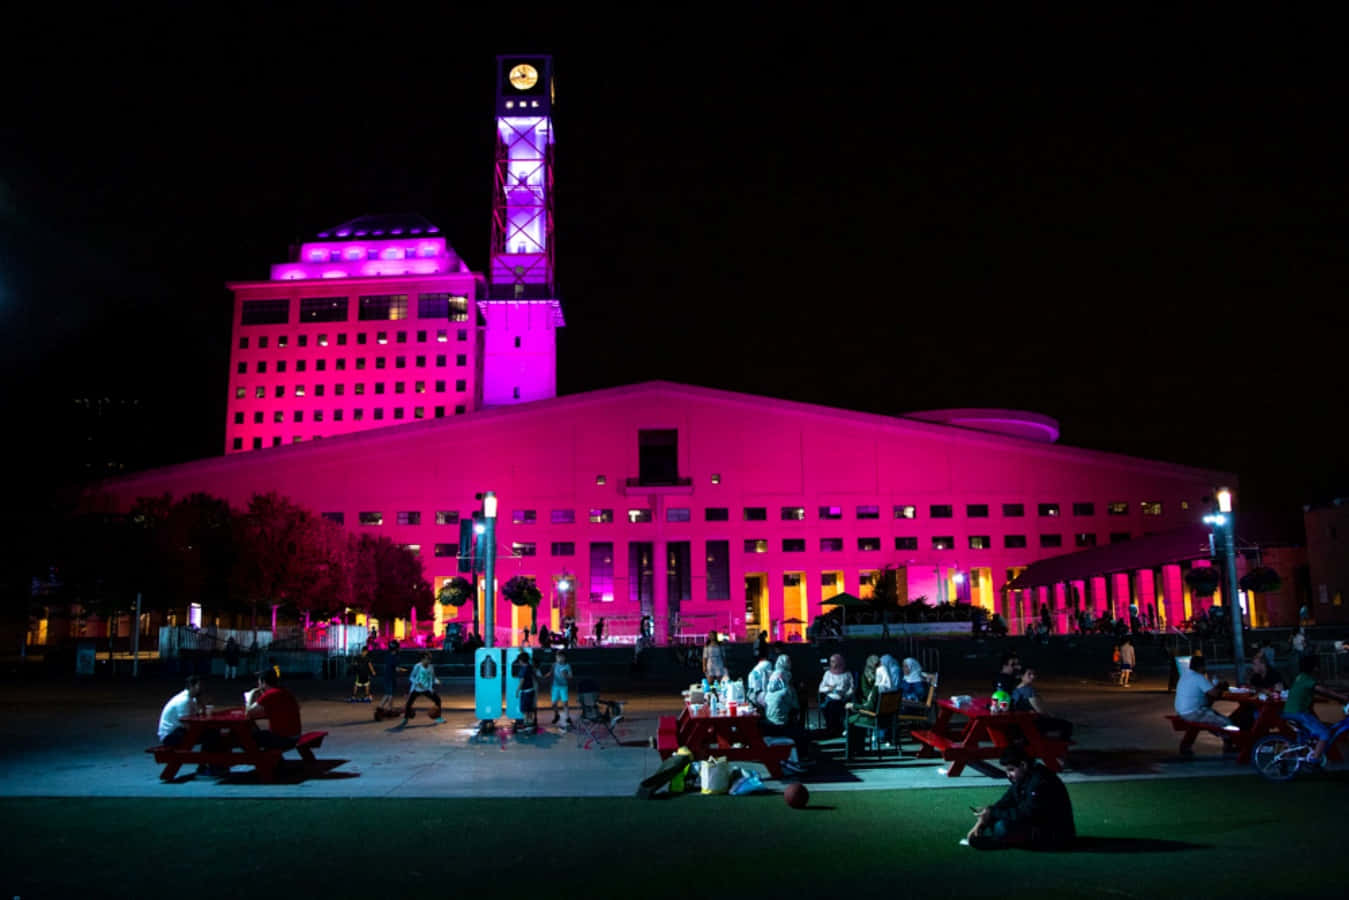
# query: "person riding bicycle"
(1298, 706)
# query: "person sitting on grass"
(1035, 813)
(422, 683)
(1194, 695)
(1298, 707)
(279, 707)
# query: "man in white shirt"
(186, 702)
(1195, 693)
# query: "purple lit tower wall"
(522, 311)
(370, 324)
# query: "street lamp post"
(1225, 523)
(489, 512)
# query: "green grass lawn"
(1203, 837)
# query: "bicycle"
(1279, 757)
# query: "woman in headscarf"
(780, 703)
(914, 683)
(836, 689)
(869, 675)
(888, 676)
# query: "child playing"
(364, 669)
(1127, 660)
(561, 688)
(391, 671)
(525, 691)
(423, 683)
(1116, 670)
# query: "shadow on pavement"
(1088, 844)
(1125, 761)
(294, 772)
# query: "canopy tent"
(847, 601)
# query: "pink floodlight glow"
(334, 274)
(344, 233)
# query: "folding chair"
(909, 717)
(875, 723)
(596, 716)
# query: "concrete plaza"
(68, 739)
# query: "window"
(756, 545)
(400, 362)
(1049, 510)
(440, 387)
(906, 543)
(446, 550)
(442, 306)
(831, 512)
(320, 365)
(262, 366)
(943, 543)
(440, 359)
(831, 545)
(440, 412)
(462, 360)
(257, 443)
(1084, 509)
(1014, 541)
(238, 444)
(379, 387)
(718, 570)
(262, 343)
(383, 307)
(756, 514)
(358, 388)
(601, 572)
(523, 517)
(658, 456)
(676, 514)
(371, 518)
(562, 548)
(379, 414)
(402, 337)
(1084, 539)
(243, 343)
(242, 368)
(638, 516)
(240, 393)
(941, 511)
(299, 366)
(868, 544)
(447, 517)
(906, 511)
(600, 479)
(716, 478)
(318, 390)
(421, 338)
(1013, 510)
(523, 548)
(280, 390)
(1152, 507)
(260, 392)
(1051, 540)
(793, 513)
(562, 517)
(282, 342)
(361, 337)
(460, 409)
(265, 312)
(342, 339)
(360, 363)
(1119, 537)
(414, 549)
(976, 510)
(336, 518)
(257, 417)
(461, 336)
(980, 542)
(868, 512)
(601, 516)
(398, 412)
(238, 418)
(716, 514)
(339, 389)
(409, 518)
(793, 545)
(323, 309)
(380, 362)
(1117, 509)
(298, 415)
(421, 362)
(358, 414)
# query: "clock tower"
(522, 310)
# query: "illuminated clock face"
(523, 77)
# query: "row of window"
(381, 337)
(599, 516)
(371, 308)
(321, 365)
(357, 414)
(827, 545)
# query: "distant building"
(1328, 558)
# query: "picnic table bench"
(1268, 719)
(737, 738)
(242, 750)
(986, 735)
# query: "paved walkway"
(89, 740)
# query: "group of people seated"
(269, 700)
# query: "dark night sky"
(1086, 219)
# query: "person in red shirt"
(279, 707)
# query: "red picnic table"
(735, 737)
(1268, 709)
(985, 735)
(241, 749)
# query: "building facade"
(715, 510)
(1328, 558)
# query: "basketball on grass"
(796, 795)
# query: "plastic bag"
(747, 784)
(716, 776)
(735, 692)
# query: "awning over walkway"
(1189, 542)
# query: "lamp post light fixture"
(489, 512)
(1224, 523)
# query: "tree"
(522, 591)
(1203, 580)
(388, 579)
(885, 595)
(283, 558)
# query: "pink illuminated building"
(709, 510)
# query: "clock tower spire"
(522, 310)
